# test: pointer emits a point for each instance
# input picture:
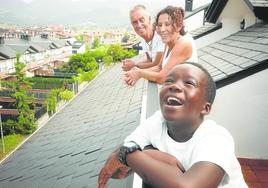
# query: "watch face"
(129, 144)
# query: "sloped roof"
(6, 52)
(19, 42)
(205, 29)
(244, 51)
(258, 3)
(72, 147)
(215, 10)
(259, 7)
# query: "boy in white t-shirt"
(192, 152)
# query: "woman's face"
(165, 28)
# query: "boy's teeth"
(173, 101)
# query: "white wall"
(194, 22)
(234, 12)
(7, 66)
(242, 107)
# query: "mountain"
(75, 12)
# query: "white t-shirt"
(156, 46)
(193, 58)
(210, 142)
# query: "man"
(150, 40)
(193, 152)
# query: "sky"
(77, 12)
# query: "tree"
(79, 38)
(96, 43)
(25, 123)
(81, 63)
(116, 51)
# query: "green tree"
(81, 63)
(107, 60)
(116, 51)
(79, 38)
(96, 43)
(98, 53)
(25, 123)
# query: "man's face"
(140, 22)
(182, 97)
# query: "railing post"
(152, 99)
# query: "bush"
(86, 76)
(49, 82)
(66, 95)
(51, 101)
(108, 60)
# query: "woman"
(179, 48)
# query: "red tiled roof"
(255, 172)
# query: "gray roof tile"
(72, 147)
(237, 52)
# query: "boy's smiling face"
(182, 97)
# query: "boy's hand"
(112, 169)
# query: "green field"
(11, 142)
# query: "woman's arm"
(181, 52)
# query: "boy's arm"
(160, 174)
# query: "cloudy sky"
(76, 12)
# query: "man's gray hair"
(138, 7)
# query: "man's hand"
(132, 76)
(112, 169)
(128, 64)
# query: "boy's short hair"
(211, 86)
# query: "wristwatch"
(126, 148)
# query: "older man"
(150, 40)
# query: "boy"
(193, 152)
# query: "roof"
(259, 7)
(258, 3)
(205, 29)
(6, 52)
(77, 44)
(72, 147)
(238, 55)
(215, 10)
(23, 42)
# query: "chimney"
(2, 41)
(189, 5)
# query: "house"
(35, 52)
(78, 47)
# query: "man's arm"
(149, 63)
(128, 64)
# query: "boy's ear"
(206, 108)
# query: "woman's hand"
(132, 76)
